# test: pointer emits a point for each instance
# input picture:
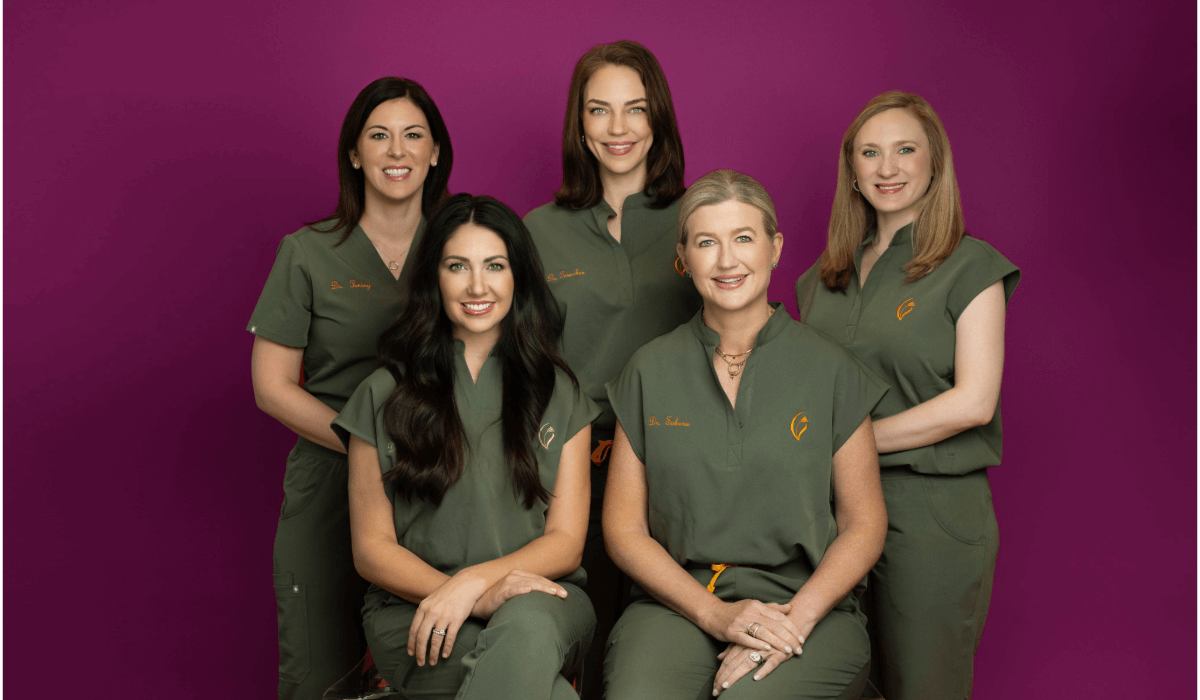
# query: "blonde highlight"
(722, 186)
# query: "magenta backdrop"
(195, 135)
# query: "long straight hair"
(352, 188)
(421, 415)
(938, 227)
(581, 188)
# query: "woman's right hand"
(516, 583)
(732, 622)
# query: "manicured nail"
(725, 684)
(767, 647)
(757, 677)
(788, 649)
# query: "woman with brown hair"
(922, 304)
(607, 243)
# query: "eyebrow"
(605, 104)
(489, 259)
(410, 126)
(735, 231)
(864, 145)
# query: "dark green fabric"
(905, 334)
(318, 592)
(657, 654)
(616, 296)
(480, 517)
(334, 301)
(738, 486)
(928, 595)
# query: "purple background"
(156, 152)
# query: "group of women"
(584, 445)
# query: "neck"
(619, 186)
(391, 220)
(738, 329)
(888, 223)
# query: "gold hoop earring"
(855, 186)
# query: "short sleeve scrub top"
(334, 300)
(533, 637)
(740, 496)
(928, 595)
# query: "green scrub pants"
(318, 592)
(607, 587)
(927, 597)
(521, 653)
(656, 654)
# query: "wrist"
(709, 612)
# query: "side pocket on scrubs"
(302, 480)
(960, 504)
(293, 629)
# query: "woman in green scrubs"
(743, 497)
(607, 243)
(335, 286)
(469, 473)
(922, 305)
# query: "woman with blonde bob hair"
(921, 304)
(743, 496)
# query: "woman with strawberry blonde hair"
(921, 304)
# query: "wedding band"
(439, 632)
(752, 629)
(756, 657)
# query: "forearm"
(553, 555)
(847, 560)
(397, 570)
(932, 421)
(301, 412)
(651, 567)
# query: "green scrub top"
(480, 517)
(750, 486)
(905, 333)
(334, 301)
(616, 296)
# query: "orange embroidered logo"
(679, 266)
(903, 309)
(669, 420)
(563, 274)
(803, 421)
(546, 435)
(601, 452)
(353, 285)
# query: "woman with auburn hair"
(607, 242)
(902, 287)
(468, 473)
(335, 286)
(743, 497)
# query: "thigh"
(656, 654)
(832, 666)
(318, 593)
(542, 623)
(386, 622)
(932, 586)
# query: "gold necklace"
(735, 366)
(391, 264)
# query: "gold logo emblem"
(601, 452)
(903, 309)
(546, 435)
(802, 420)
(679, 266)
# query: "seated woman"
(743, 497)
(469, 473)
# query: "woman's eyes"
(638, 110)
(496, 267)
(596, 111)
(744, 239)
(412, 135)
(907, 149)
(378, 135)
(456, 266)
(704, 244)
(870, 153)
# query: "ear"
(777, 245)
(353, 155)
(679, 250)
(433, 157)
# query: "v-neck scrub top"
(905, 333)
(480, 517)
(334, 301)
(616, 296)
(751, 485)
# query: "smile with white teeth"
(396, 172)
(481, 306)
(890, 187)
(730, 280)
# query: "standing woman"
(921, 304)
(335, 286)
(469, 473)
(607, 243)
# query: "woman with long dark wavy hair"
(469, 472)
(922, 304)
(607, 242)
(335, 286)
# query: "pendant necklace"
(735, 365)
(391, 264)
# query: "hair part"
(722, 186)
(421, 415)
(352, 188)
(938, 227)
(581, 187)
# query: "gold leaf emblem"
(803, 421)
(546, 435)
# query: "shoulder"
(809, 276)
(664, 348)
(803, 341)
(551, 213)
(381, 380)
(973, 251)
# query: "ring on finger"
(438, 632)
(752, 629)
(756, 657)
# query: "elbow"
(983, 414)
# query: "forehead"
(400, 111)
(725, 217)
(612, 82)
(891, 126)
(472, 241)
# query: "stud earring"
(855, 185)
(774, 265)
(687, 273)
(583, 140)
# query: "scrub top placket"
(621, 250)
(862, 292)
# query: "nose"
(395, 148)
(889, 165)
(726, 259)
(618, 124)
(476, 288)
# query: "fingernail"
(767, 647)
(757, 677)
(788, 649)
(725, 684)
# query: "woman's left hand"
(736, 661)
(444, 610)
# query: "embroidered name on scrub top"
(354, 284)
(563, 274)
(669, 420)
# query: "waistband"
(306, 446)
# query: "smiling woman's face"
(395, 150)
(892, 164)
(616, 120)
(730, 254)
(476, 282)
